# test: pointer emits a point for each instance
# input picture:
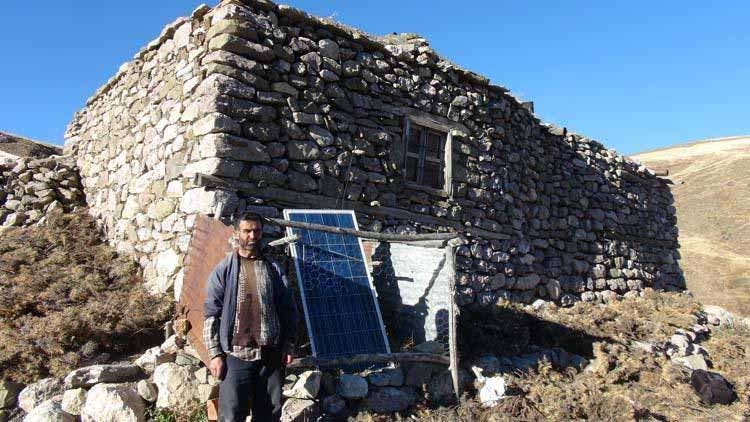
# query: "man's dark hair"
(248, 216)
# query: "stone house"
(253, 105)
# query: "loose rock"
(73, 401)
(113, 403)
(299, 410)
(40, 391)
(9, 393)
(176, 385)
(306, 387)
(90, 375)
(351, 386)
(49, 411)
(389, 399)
(147, 390)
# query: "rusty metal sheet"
(209, 244)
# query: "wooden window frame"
(432, 126)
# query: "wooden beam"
(385, 237)
(628, 237)
(430, 120)
(304, 199)
(633, 178)
(311, 361)
(453, 323)
(626, 175)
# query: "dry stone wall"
(32, 188)
(135, 143)
(293, 110)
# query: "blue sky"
(634, 75)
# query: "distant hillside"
(17, 146)
(712, 195)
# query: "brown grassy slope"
(712, 195)
(66, 298)
(22, 147)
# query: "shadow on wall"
(638, 223)
(408, 324)
(584, 228)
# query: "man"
(250, 327)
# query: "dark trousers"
(251, 385)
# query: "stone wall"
(32, 188)
(134, 142)
(296, 111)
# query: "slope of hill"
(16, 146)
(712, 195)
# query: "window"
(425, 156)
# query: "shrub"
(66, 297)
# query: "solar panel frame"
(313, 237)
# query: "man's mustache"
(249, 242)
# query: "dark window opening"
(425, 156)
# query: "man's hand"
(216, 366)
(287, 360)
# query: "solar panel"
(341, 309)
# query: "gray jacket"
(221, 301)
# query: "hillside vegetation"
(68, 300)
(712, 195)
(623, 382)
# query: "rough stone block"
(241, 46)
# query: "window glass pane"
(411, 168)
(414, 139)
(435, 143)
(433, 175)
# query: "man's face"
(249, 234)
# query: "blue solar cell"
(346, 221)
(340, 305)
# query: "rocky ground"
(643, 352)
(638, 358)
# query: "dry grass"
(193, 412)
(22, 147)
(66, 297)
(622, 383)
(653, 317)
(711, 181)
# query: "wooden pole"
(284, 240)
(383, 237)
(453, 322)
(304, 199)
(311, 361)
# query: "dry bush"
(653, 317)
(192, 412)
(509, 329)
(729, 350)
(66, 297)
